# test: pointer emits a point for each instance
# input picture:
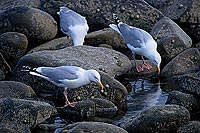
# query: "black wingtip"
(115, 17)
(27, 69)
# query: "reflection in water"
(145, 92)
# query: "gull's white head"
(155, 58)
(94, 76)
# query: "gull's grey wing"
(69, 18)
(134, 36)
(58, 73)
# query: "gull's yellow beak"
(100, 85)
(158, 69)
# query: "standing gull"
(73, 25)
(67, 77)
(139, 42)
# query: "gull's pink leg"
(138, 68)
(67, 102)
(146, 65)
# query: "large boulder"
(99, 13)
(88, 127)
(184, 12)
(37, 25)
(171, 39)
(159, 119)
(13, 46)
(21, 115)
(187, 61)
(12, 89)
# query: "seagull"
(140, 42)
(67, 77)
(73, 25)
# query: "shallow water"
(144, 93)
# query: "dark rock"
(187, 61)
(171, 39)
(21, 115)
(190, 127)
(186, 100)
(54, 44)
(99, 13)
(2, 75)
(184, 12)
(105, 36)
(88, 127)
(12, 89)
(37, 25)
(197, 46)
(6, 4)
(159, 119)
(13, 46)
(90, 108)
(4, 67)
(46, 128)
(188, 82)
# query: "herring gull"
(73, 25)
(139, 42)
(67, 77)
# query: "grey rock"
(88, 127)
(46, 128)
(37, 25)
(187, 61)
(4, 5)
(197, 46)
(13, 46)
(186, 100)
(99, 13)
(22, 115)
(54, 44)
(167, 118)
(171, 39)
(4, 67)
(190, 127)
(12, 89)
(188, 82)
(105, 36)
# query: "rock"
(187, 61)
(4, 5)
(99, 13)
(37, 25)
(159, 119)
(2, 75)
(87, 127)
(171, 39)
(89, 109)
(184, 12)
(105, 36)
(197, 46)
(22, 115)
(188, 82)
(46, 128)
(190, 127)
(12, 89)
(13, 46)
(186, 100)
(54, 44)
(4, 67)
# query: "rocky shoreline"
(30, 35)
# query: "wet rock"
(4, 67)
(12, 89)
(105, 36)
(4, 5)
(54, 44)
(88, 109)
(171, 39)
(13, 46)
(190, 127)
(188, 82)
(87, 127)
(46, 128)
(37, 25)
(186, 100)
(21, 115)
(99, 13)
(187, 61)
(184, 12)
(166, 118)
